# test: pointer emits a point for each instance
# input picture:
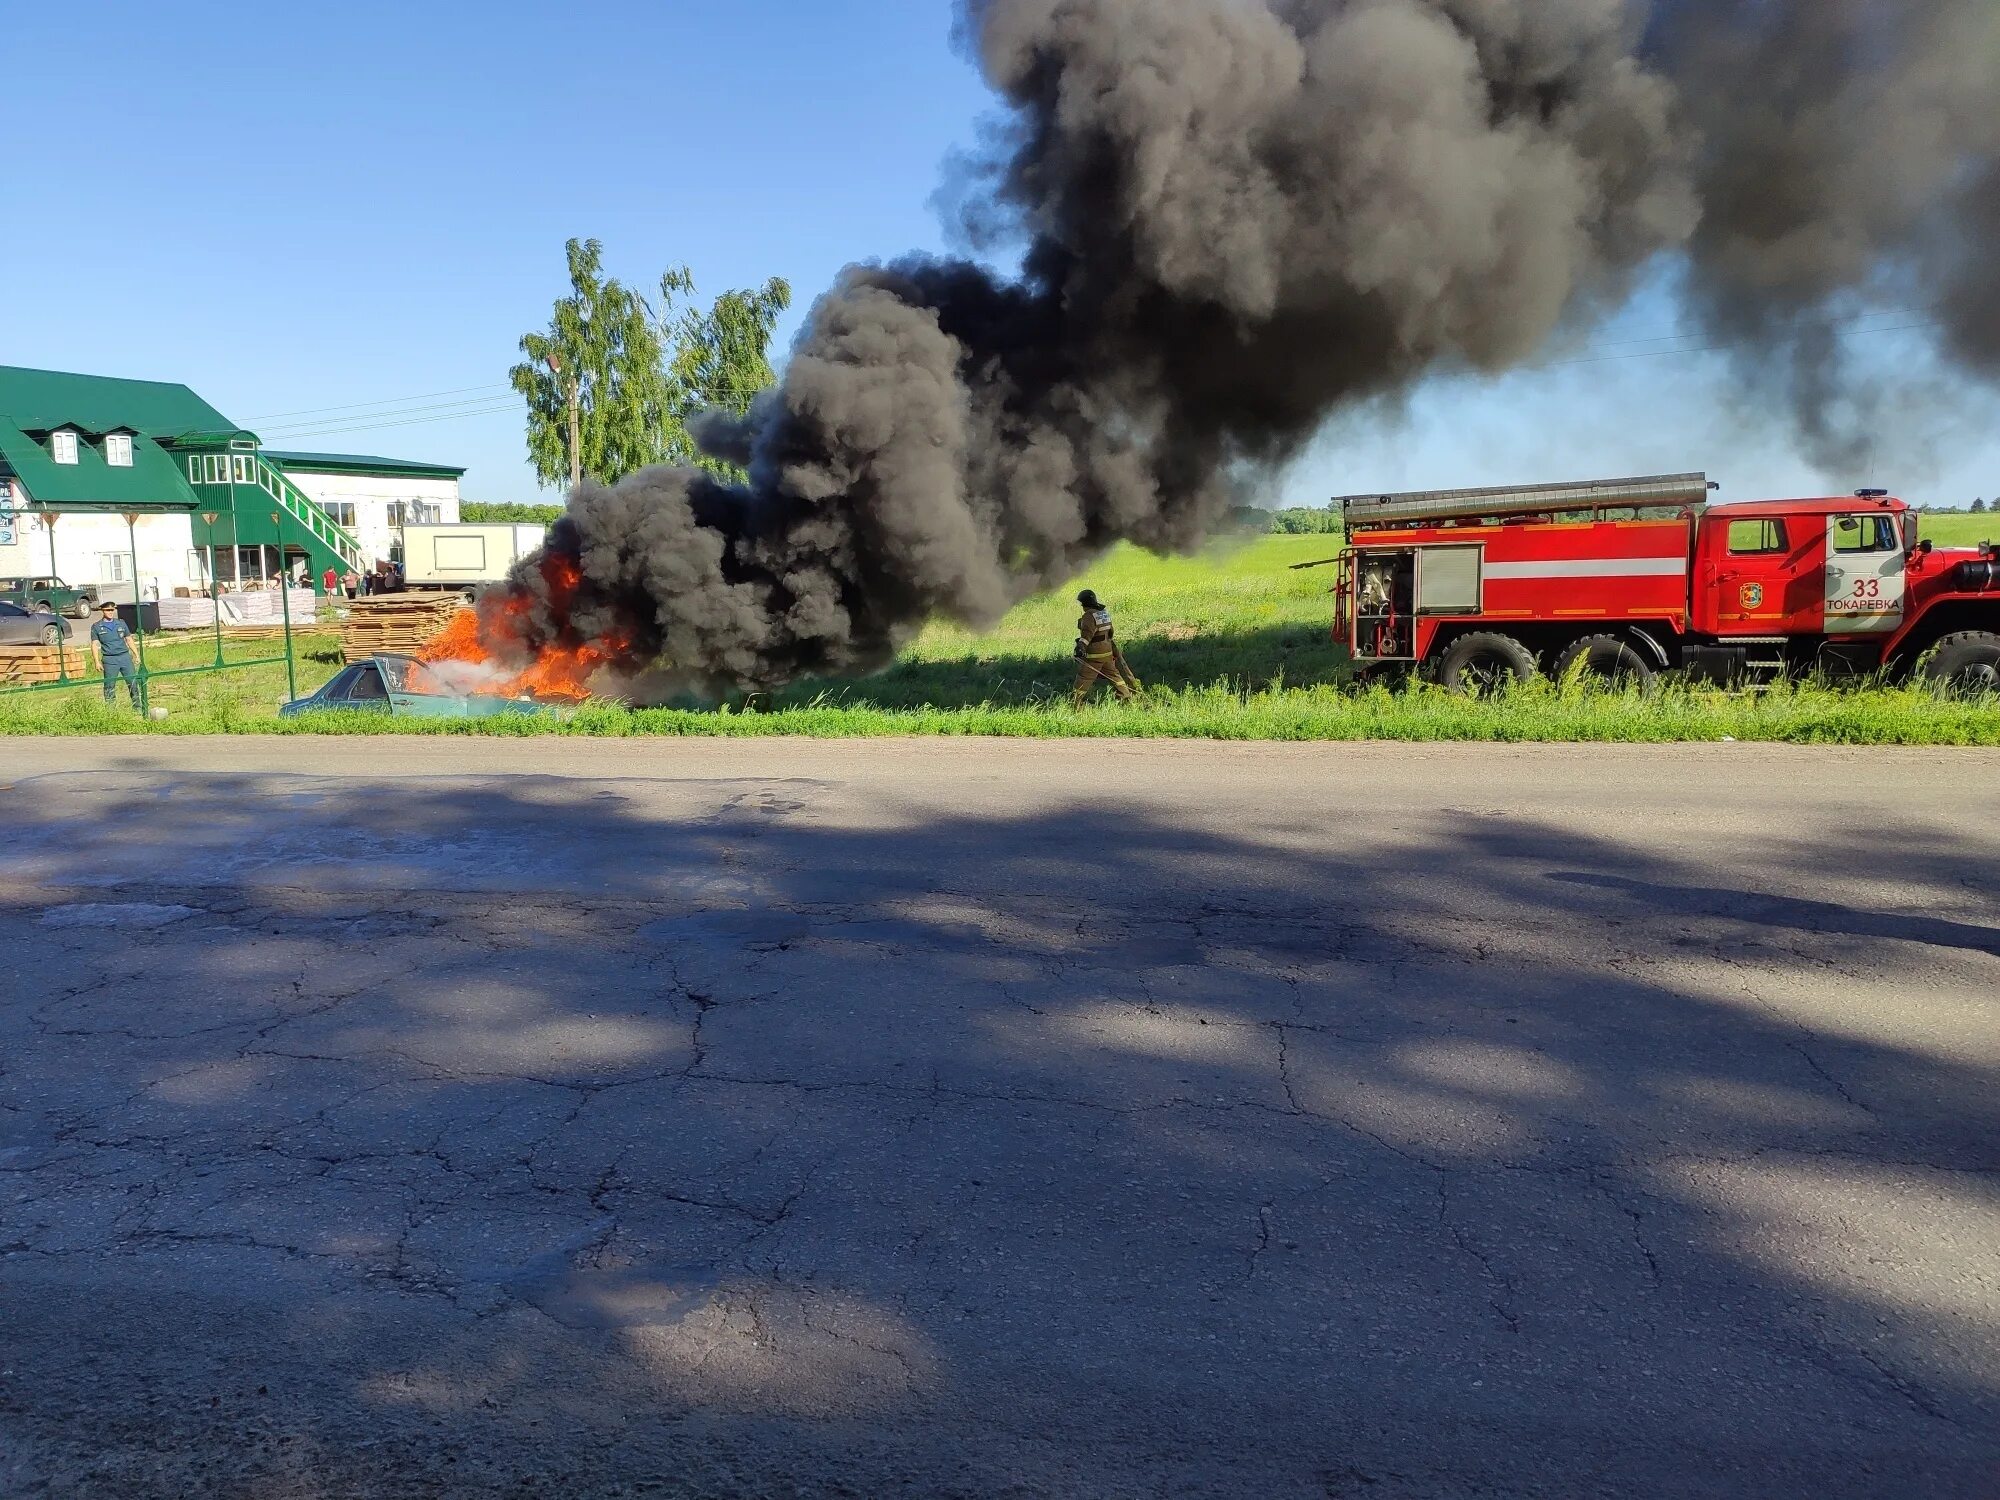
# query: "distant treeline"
(1297, 521)
(483, 513)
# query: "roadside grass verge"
(1802, 714)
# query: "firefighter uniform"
(1098, 659)
(114, 650)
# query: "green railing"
(212, 469)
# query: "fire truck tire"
(1479, 663)
(1967, 663)
(1607, 658)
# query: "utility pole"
(554, 363)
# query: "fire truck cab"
(1629, 579)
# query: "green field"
(1961, 531)
(1232, 645)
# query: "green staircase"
(332, 543)
(244, 490)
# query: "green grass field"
(1961, 531)
(1232, 645)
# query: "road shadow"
(519, 1135)
(1762, 909)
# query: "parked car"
(50, 595)
(31, 627)
(406, 688)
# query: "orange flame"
(560, 672)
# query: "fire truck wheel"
(1968, 663)
(1607, 658)
(1483, 663)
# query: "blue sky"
(335, 222)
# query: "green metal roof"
(153, 482)
(35, 400)
(355, 463)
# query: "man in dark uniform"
(113, 645)
(1098, 659)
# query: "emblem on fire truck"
(1753, 595)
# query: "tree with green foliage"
(503, 513)
(595, 381)
(1307, 521)
(717, 360)
(1979, 507)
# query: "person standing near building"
(112, 643)
(350, 583)
(329, 581)
(1098, 658)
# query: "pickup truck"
(50, 594)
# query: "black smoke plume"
(1240, 216)
(1849, 157)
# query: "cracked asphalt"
(573, 1119)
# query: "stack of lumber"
(29, 666)
(180, 613)
(262, 632)
(398, 624)
(258, 615)
(264, 607)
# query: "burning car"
(404, 687)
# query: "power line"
(370, 416)
(391, 413)
(505, 406)
(313, 411)
(447, 407)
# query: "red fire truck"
(1633, 578)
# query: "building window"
(341, 512)
(62, 446)
(118, 450)
(240, 467)
(414, 513)
(197, 570)
(112, 567)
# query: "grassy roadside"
(1232, 646)
(1804, 715)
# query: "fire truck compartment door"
(1448, 580)
(1866, 574)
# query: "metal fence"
(67, 680)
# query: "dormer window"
(118, 450)
(62, 447)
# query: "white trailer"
(465, 557)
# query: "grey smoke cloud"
(1848, 156)
(1242, 216)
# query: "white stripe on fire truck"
(1591, 567)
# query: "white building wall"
(371, 496)
(98, 549)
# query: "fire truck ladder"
(1675, 492)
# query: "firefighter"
(113, 645)
(1098, 657)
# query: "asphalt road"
(573, 1119)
